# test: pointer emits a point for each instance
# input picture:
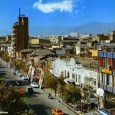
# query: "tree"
(72, 94)
(61, 86)
(50, 81)
(47, 81)
(54, 84)
(20, 65)
(11, 101)
(76, 95)
(4, 56)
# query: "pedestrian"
(14, 73)
(49, 95)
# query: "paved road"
(38, 101)
(7, 72)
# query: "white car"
(34, 84)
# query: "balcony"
(14, 32)
(14, 38)
(13, 42)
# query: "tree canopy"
(72, 94)
(11, 101)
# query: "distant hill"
(95, 27)
(88, 28)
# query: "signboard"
(106, 71)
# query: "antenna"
(19, 12)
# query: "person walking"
(49, 95)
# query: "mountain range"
(88, 28)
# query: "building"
(74, 72)
(19, 36)
(39, 41)
(107, 73)
(55, 40)
(112, 36)
(101, 38)
(94, 53)
(8, 38)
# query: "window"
(79, 78)
(73, 76)
(67, 74)
(94, 82)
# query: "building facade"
(19, 36)
(107, 73)
(74, 72)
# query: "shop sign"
(106, 71)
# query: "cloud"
(63, 6)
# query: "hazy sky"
(55, 12)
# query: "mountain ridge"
(88, 28)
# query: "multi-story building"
(19, 36)
(107, 73)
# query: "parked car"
(10, 82)
(34, 84)
(20, 74)
(25, 78)
(57, 111)
(16, 72)
(19, 83)
(29, 90)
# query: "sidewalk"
(40, 98)
(61, 101)
(94, 112)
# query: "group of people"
(35, 73)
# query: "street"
(39, 101)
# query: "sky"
(46, 13)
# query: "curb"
(65, 105)
(69, 107)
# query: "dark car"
(13, 82)
(29, 90)
(10, 82)
(19, 83)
